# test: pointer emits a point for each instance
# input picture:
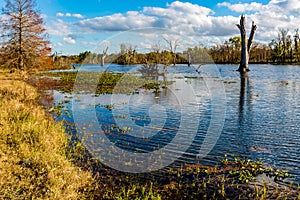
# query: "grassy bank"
(33, 162)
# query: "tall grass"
(33, 162)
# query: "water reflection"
(245, 101)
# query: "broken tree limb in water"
(246, 45)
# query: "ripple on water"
(262, 115)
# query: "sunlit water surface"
(262, 114)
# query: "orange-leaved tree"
(24, 43)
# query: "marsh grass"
(33, 162)
(107, 83)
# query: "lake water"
(214, 111)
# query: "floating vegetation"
(192, 77)
(245, 170)
(284, 83)
(57, 109)
(109, 106)
(230, 82)
(233, 179)
(121, 116)
(106, 83)
(260, 149)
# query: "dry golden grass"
(33, 163)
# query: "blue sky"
(76, 26)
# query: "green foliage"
(246, 170)
(283, 49)
(107, 83)
(82, 56)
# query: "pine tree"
(24, 43)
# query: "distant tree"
(199, 54)
(235, 53)
(83, 55)
(24, 41)
(173, 47)
(282, 46)
(127, 55)
(296, 42)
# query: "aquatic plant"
(107, 83)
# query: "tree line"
(283, 49)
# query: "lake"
(198, 118)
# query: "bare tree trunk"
(173, 46)
(102, 58)
(246, 46)
(251, 37)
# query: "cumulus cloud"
(76, 15)
(269, 17)
(181, 17)
(116, 22)
(60, 14)
(58, 44)
(69, 40)
(59, 28)
(242, 7)
(190, 20)
(276, 15)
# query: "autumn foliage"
(24, 43)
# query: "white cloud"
(69, 40)
(79, 16)
(183, 18)
(116, 22)
(242, 7)
(59, 28)
(270, 17)
(76, 15)
(187, 19)
(59, 14)
(58, 44)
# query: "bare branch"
(251, 37)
